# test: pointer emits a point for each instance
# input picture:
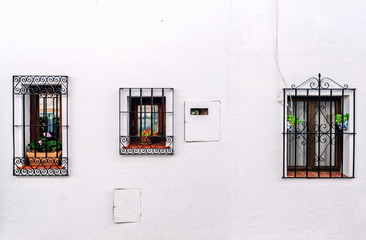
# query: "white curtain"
(301, 135)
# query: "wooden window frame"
(157, 101)
(35, 121)
(310, 153)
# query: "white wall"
(214, 50)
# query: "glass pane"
(144, 118)
(297, 143)
(49, 116)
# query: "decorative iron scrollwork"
(40, 84)
(162, 148)
(319, 83)
(43, 167)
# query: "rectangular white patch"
(127, 205)
(202, 121)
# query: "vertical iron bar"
(342, 102)
(46, 118)
(14, 131)
(24, 150)
(35, 123)
(172, 133)
(319, 93)
(307, 131)
(45, 112)
(152, 110)
(163, 112)
(130, 110)
(119, 117)
(145, 116)
(330, 129)
(140, 112)
(53, 112)
(284, 131)
(67, 123)
(58, 122)
(295, 114)
(304, 155)
(354, 131)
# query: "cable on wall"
(280, 77)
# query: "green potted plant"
(145, 136)
(339, 119)
(291, 122)
(43, 150)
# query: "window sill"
(42, 167)
(314, 174)
(139, 145)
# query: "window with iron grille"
(319, 130)
(146, 120)
(40, 126)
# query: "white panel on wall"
(127, 205)
(202, 121)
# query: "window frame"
(27, 90)
(316, 90)
(311, 132)
(37, 117)
(136, 102)
(129, 101)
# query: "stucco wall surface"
(206, 50)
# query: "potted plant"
(43, 150)
(339, 118)
(145, 136)
(291, 122)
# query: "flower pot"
(145, 140)
(40, 159)
(345, 125)
(289, 126)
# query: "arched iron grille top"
(319, 83)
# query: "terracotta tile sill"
(138, 145)
(314, 174)
(41, 167)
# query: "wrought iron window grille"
(146, 121)
(40, 125)
(319, 130)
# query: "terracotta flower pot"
(145, 140)
(289, 126)
(345, 125)
(40, 159)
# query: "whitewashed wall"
(210, 50)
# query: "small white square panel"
(202, 121)
(127, 205)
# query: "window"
(319, 130)
(146, 120)
(40, 126)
